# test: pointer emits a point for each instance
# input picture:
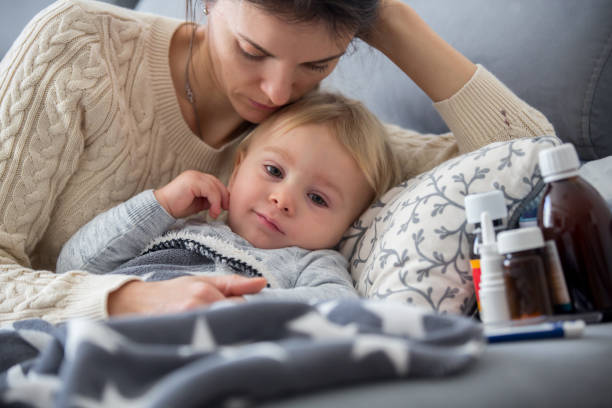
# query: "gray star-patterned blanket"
(228, 354)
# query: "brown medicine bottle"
(524, 272)
(576, 217)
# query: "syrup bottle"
(576, 217)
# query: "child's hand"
(191, 192)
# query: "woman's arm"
(477, 108)
(41, 145)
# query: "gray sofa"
(555, 54)
(14, 17)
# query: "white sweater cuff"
(484, 110)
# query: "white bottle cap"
(573, 328)
(559, 162)
(520, 239)
(492, 202)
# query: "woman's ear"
(237, 163)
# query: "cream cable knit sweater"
(89, 118)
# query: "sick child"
(299, 180)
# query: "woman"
(99, 103)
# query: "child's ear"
(237, 163)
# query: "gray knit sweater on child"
(138, 237)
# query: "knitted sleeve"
(115, 236)
(42, 85)
(320, 275)
(482, 112)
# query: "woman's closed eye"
(248, 55)
(256, 55)
(250, 52)
(317, 67)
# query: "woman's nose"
(277, 83)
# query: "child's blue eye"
(274, 171)
(317, 199)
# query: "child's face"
(301, 188)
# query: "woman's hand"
(179, 294)
(433, 64)
(376, 36)
(191, 192)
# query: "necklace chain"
(188, 90)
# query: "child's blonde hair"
(354, 126)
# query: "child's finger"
(216, 198)
(223, 194)
(225, 197)
(214, 202)
(203, 192)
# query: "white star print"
(95, 333)
(111, 397)
(262, 349)
(395, 349)
(202, 340)
(37, 339)
(398, 319)
(33, 388)
(316, 326)
(326, 307)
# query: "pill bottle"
(525, 272)
(574, 215)
(493, 203)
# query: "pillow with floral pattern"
(413, 244)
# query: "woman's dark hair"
(342, 16)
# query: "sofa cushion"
(413, 245)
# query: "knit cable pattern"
(65, 75)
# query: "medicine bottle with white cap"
(525, 272)
(576, 217)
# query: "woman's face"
(261, 62)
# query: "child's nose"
(282, 201)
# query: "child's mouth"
(269, 223)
